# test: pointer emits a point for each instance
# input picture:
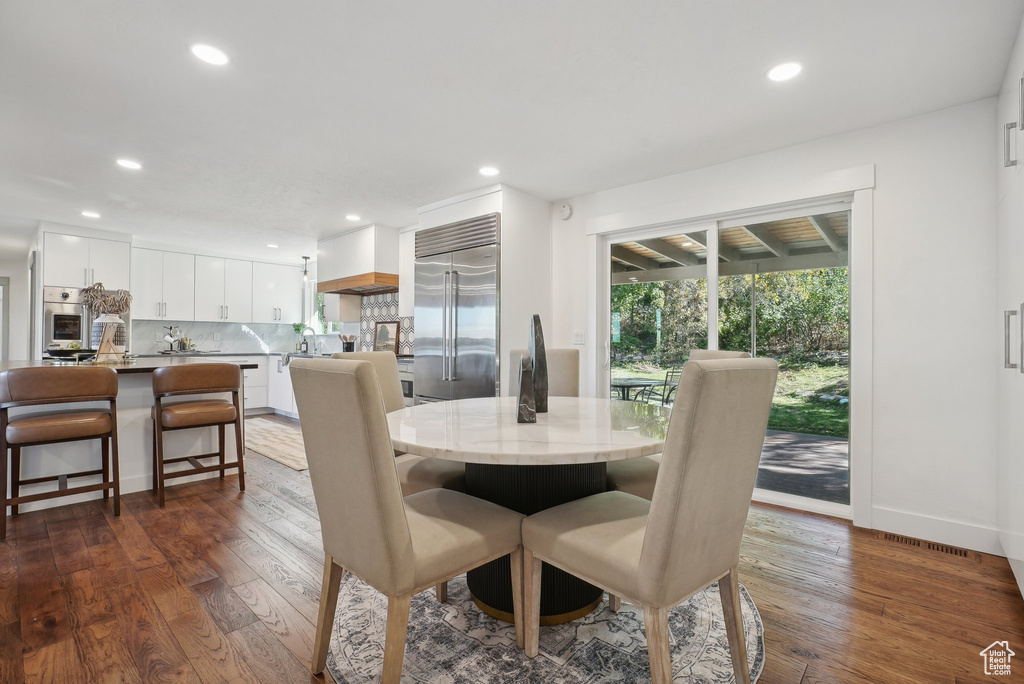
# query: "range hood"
(362, 284)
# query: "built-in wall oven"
(65, 318)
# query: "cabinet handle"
(165, 309)
(1006, 338)
(159, 310)
(227, 311)
(1020, 103)
(1007, 162)
(86, 278)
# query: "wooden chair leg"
(441, 591)
(15, 477)
(155, 486)
(220, 449)
(658, 650)
(517, 594)
(729, 589)
(333, 574)
(394, 641)
(116, 466)
(105, 456)
(240, 448)
(160, 463)
(3, 487)
(531, 602)
(614, 602)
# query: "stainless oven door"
(64, 324)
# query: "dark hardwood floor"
(221, 586)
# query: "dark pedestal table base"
(529, 490)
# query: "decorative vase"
(526, 411)
(539, 362)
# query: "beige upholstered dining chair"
(659, 553)
(398, 546)
(563, 372)
(416, 473)
(637, 475)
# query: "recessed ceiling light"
(129, 164)
(210, 54)
(353, 217)
(687, 244)
(271, 246)
(784, 71)
(90, 214)
(489, 171)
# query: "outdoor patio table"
(624, 385)
(529, 467)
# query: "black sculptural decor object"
(540, 364)
(527, 410)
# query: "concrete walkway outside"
(814, 466)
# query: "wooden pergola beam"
(724, 251)
(634, 259)
(670, 251)
(770, 242)
(824, 228)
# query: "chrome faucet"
(315, 351)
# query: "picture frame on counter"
(385, 336)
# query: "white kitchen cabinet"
(254, 394)
(75, 261)
(373, 249)
(276, 293)
(406, 273)
(223, 290)
(280, 396)
(163, 285)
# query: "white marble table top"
(573, 430)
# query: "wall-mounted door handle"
(1007, 162)
(1006, 338)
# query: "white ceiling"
(332, 107)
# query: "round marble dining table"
(529, 467)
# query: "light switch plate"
(579, 337)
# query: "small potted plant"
(108, 334)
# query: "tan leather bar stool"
(23, 387)
(198, 378)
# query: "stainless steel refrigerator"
(458, 268)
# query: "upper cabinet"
(223, 291)
(276, 293)
(363, 261)
(75, 261)
(163, 285)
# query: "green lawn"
(791, 410)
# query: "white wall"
(933, 310)
(17, 271)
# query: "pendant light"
(305, 269)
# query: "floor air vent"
(952, 550)
(900, 539)
(931, 546)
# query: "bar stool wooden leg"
(160, 463)
(3, 486)
(240, 448)
(114, 461)
(220, 448)
(105, 449)
(15, 477)
(154, 456)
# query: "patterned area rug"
(453, 642)
(277, 441)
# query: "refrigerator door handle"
(1020, 362)
(445, 313)
(454, 343)
(1006, 338)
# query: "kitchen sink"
(287, 357)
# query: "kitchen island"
(134, 433)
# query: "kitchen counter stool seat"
(205, 378)
(30, 387)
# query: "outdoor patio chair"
(663, 393)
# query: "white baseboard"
(803, 503)
(974, 537)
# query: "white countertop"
(574, 430)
